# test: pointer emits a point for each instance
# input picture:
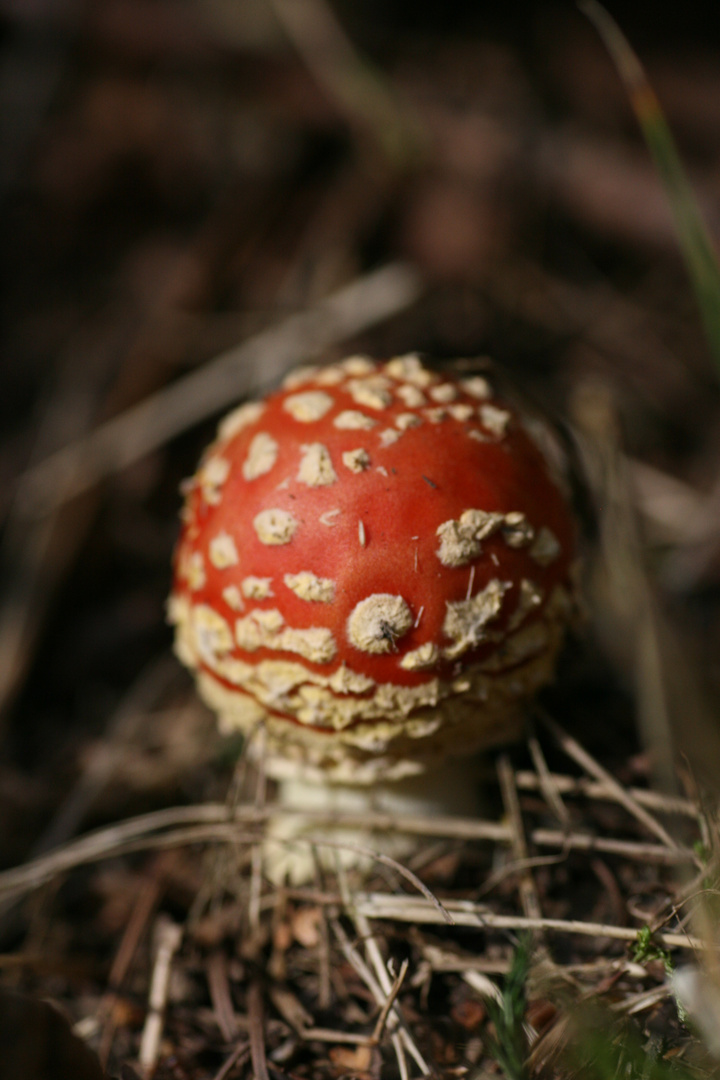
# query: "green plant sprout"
(646, 949)
(509, 1047)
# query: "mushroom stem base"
(306, 827)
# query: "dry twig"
(401, 1039)
(220, 996)
(586, 761)
(239, 1056)
(529, 896)
(256, 1022)
(389, 1002)
(596, 789)
(546, 782)
(144, 906)
(466, 913)
(168, 938)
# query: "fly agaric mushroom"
(375, 565)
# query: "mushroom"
(375, 565)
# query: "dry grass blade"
(245, 369)
(595, 789)
(123, 838)
(646, 999)
(465, 913)
(546, 782)
(552, 838)
(401, 1039)
(697, 246)
(215, 823)
(529, 896)
(36, 555)
(678, 511)
(389, 1002)
(586, 761)
(393, 864)
(329, 1035)
(674, 711)
(356, 961)
(324, 962)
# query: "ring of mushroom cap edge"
(376, 563)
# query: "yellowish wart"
(222, 551)
(211, 477)
(330, 517)
(194, 571)
(356, 460)
(353, 420)
(233, 598)
(494, 419)
(371, 392)
(274, 527)
(422, 658)
(267, 630)
(316, 467)
(257, 588)
(262, 455)
(308, 406)
(377, 622)
(478, 387)
(546, 547)
(240, 418)
(466, 620)
(461, 539)
(309, 586)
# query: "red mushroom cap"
(375, 561)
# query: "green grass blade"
(695, 241)
(509, 1046)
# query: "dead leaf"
(358, 1060)
(305, 925)
(36, 1043)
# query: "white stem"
(451, 789)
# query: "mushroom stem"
(295, 835)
